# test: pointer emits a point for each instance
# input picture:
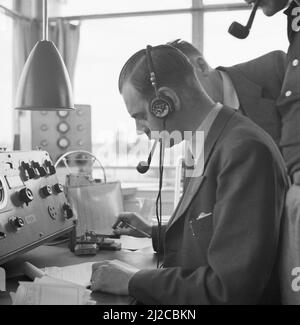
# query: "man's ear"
(169, 92)
(203, 66)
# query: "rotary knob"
(58, 188)
(25, 195)
(17, 222)
(68, 212)
(2, 235)
(46, 190)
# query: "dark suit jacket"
(258, 84)
(228, 257)
(289, 105)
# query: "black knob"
(17, 222)
(68, 212)
(25, 195)
(46, 190)
(2, 235)
(58, 188)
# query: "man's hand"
(135, 220)
(112, 277)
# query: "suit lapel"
(195, 183)
(249, 93)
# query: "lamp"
(44, 83)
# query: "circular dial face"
(62, 113)
(63, 127)
(63, 143)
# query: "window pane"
(6, 81)
(7, 3)
(80, 7)
(215, 2)
(105, 47)
(220, 48)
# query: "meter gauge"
(62, 114)
(63, 143)
(63, 127)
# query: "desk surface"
(45, 256)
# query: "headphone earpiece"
(162, 106)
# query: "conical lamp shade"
(44, 83)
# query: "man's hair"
(186, 48)
(172, 69)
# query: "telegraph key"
(33, 205)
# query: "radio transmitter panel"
(33, 205)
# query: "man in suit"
(289, 109)
(251, 87)
(220, 245)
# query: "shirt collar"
(230, 97)
(194, 146)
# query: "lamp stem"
(45, 20)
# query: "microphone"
(239, 31)
(144, 166)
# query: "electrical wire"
(159, 199)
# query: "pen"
(136, 229)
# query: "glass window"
(79, 7)
(6, 81)
(215, 2)
(220, 48)
(6, 3)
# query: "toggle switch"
(46, 190)
(50, 167)
(16, 222)
(25, 195)
(41, 170)
(68, 212)
(30, 171)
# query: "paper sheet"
(32, 293)
(132, 243)
(79, 273)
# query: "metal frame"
(196, 7)
(197, 10)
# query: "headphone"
(161, 105)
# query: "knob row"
(26, 195)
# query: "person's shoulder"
(244, 134)
(269, 58)
(272, 63)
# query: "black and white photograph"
(149, 155)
